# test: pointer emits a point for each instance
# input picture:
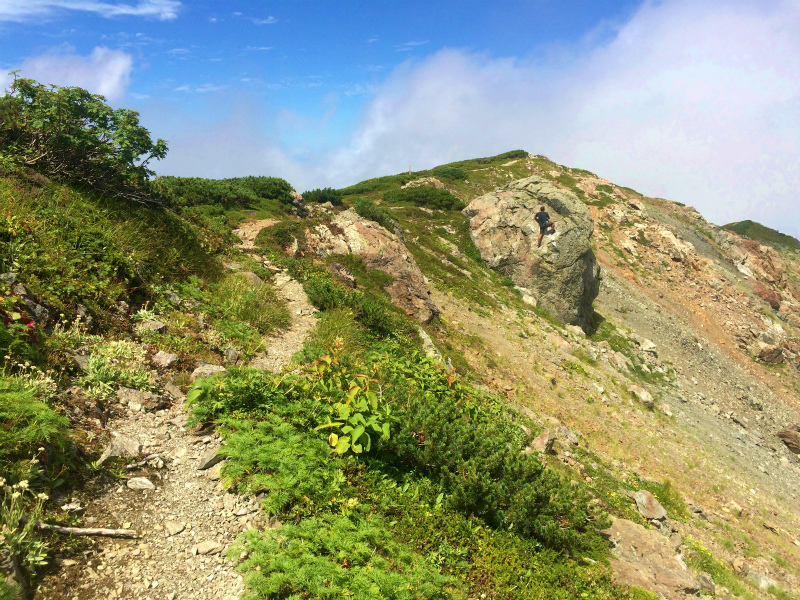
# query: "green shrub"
(28, 428)
(373, 311)
(117, 363)
(455, 436)
(280, 237)
(369, 210)
(256, 305)
(273, 456)
(451, 173)
(425, 195)
(324, 195)
(70, 134)
(242, 192)
(335, 556)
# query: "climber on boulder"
(546, 225)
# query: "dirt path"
(187, 521)
(249, 230)
(282, 346)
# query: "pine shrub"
(28, 428)
(336, 556)
(369, 210)
(473, 450)
(324, 195)
(424, 195)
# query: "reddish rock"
(767, 294)
(379, 249)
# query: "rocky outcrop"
(380, 249)
(563, 274)
(645, 558)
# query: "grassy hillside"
(765, 235)
(394, 475)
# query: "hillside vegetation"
(765, 235)
(388, 459)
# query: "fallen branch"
(124, 533)
(142, 462)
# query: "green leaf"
(373, 400)
(342, 445)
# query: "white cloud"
(204, 88)
(695, 101)
(408, 46)
(259, 48)
(25, 10)
(267, 21)
(104, 71)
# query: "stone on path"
(208, 547)
(215, 472)
(140, 483)
(648, 506)
(209, 459)
(136, 400)
(173, 527)
(120, 446)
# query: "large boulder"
(564, 277)
(380, 249)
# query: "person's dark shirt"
(542, 218)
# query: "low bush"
(472, 448)
(335, 556)
(282, 236)
(425, 195)
(241, 192)
(451, 173)
(324, 195)
(287, 463)
(372, 310)
(369, 210)
(254, 304)
(29, 429)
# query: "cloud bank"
(25, 10)
(693, 100)
(104, 71)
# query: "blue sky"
(697, 101)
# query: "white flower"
(2, 481)
(42, 496)
(15, 495)
(23, 484)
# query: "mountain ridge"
(680, 385)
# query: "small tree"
(70, 134)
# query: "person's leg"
(539, 242)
